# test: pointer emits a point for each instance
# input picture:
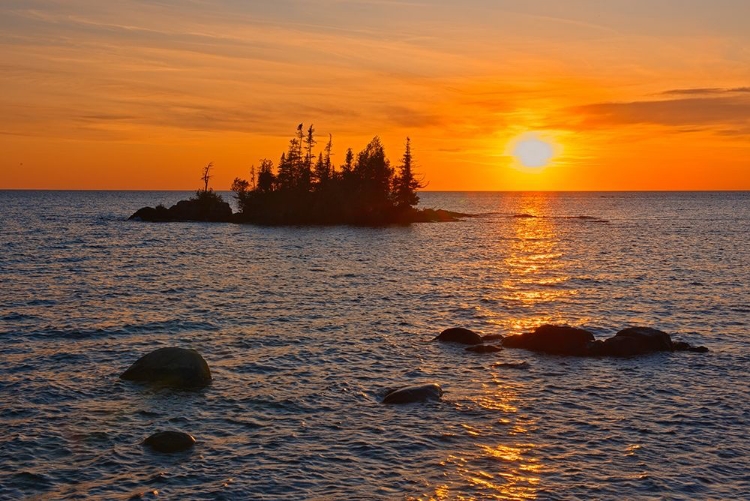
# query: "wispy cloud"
(717, 109)
(707, 91)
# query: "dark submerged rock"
(512, 365)
(484, 348)
(459, 335)
(683, 346)
(492, 337)
(170, 441)
(553, 339)
(411, 394)
(176, 367)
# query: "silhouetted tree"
(373, 172)
(329, 147)
(321, 172)
(206, 175)
(208, 201)
(266, 178)
(307, 190)
(406, 185)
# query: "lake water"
(305, 328)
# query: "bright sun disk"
(533, 152)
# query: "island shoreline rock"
(192, 211)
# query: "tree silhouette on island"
(304, 190)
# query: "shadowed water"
(305, 329)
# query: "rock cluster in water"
(564, 340)
(175, 367)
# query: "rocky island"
(304, 190)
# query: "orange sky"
(140, 95)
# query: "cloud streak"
(720, 110)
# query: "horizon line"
(420, 191)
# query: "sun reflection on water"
(534, 275)
(533, 267)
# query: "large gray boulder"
(411, 394)
(553, 339)
(176, 367)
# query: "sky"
(631, 95)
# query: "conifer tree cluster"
(307, 189)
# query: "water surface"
(305, 328)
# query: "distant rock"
(170, 441)
(553, 339)
(205, 208)
(459, 335)
(512, 365)
(433, 216)
(484, 348)
(176, 367)
(411, 394)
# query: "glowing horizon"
(630, 95)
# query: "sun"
(532, 151)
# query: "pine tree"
(373, 175)
(322, 173)
(405, 184)
(266, 178)
(286, 173)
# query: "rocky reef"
(572, 341)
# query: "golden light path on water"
(531, 258)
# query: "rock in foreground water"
(459, 335)
(411, 394)
(554, 339)
(170, 441)
(176, 367)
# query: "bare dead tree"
(206, 175)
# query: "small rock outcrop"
(196, 209)
(683, 346)
(411, 394)
(459, 335)
(170, 441)
(484, 348)
(553, 339)
(176, 367)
